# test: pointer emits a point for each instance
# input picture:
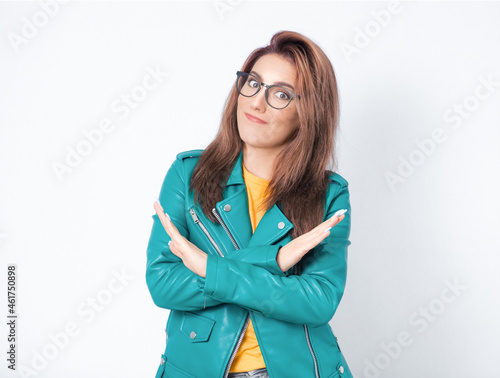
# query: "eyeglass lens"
(278, 97)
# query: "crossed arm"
(180, 276)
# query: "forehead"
(272, 67)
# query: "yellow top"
(249, 357)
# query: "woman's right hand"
(291, 253)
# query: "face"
(273, 128)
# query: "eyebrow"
(282, 83)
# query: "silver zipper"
(216, 214)
(226, 373)
(312, 352)
(204, 229)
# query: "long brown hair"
(300, 176)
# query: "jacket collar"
(273, 226)
(236, 176)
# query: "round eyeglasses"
(277, 97)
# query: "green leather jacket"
(208, 317)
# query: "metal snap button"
(341, 369)
(162, 361)
(192, 334)
(281, 225)
(227, 207)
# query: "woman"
(249, 251)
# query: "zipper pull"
(216, 214)
(195, 217)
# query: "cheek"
(240, 117)
(289, 124)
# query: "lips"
(254, 119)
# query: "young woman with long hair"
(249, 242)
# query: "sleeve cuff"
(207, 284)
(260, 255)
(272, 264)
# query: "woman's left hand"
(193, 258)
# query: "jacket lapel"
(273, 226)
(233, 210)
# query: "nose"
(258, 101)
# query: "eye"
(252, 83)
(282, 95)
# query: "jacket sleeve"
(170, 283)
(263, 256)
(310, 298)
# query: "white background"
(437, 226)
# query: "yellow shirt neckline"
(247, 175)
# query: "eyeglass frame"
(292, 95)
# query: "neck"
(259, 161)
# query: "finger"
(312, 238)
(339, 213)
(312, 242)
(317, 234)
(174, 232)
(327, 224)
(165, 221)
(334, 219)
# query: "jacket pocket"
(196, 328)
(172, 371)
